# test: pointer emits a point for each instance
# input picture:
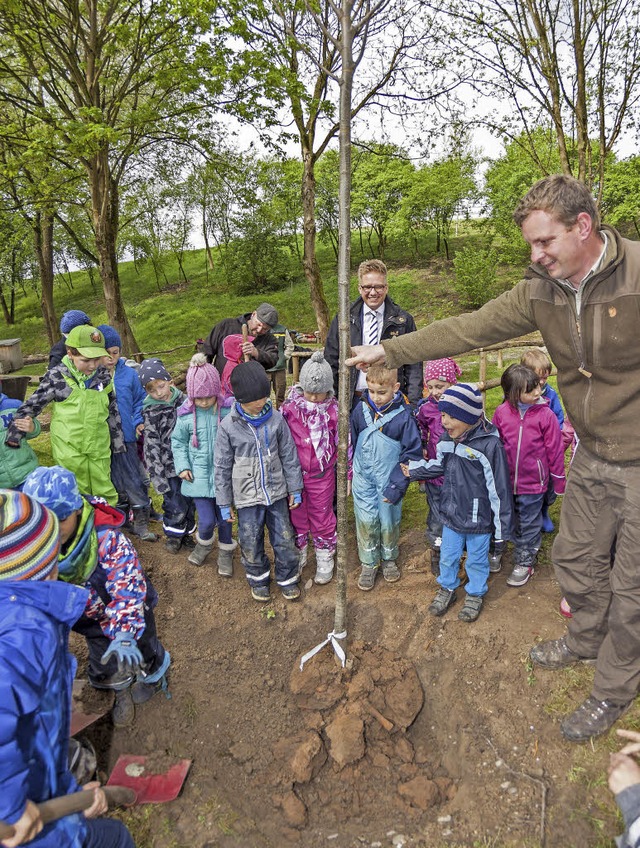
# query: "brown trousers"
(600, 513)
(279, 385)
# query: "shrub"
(475, 275)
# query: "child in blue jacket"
(384, 434)
(36, 675)
(476, 499)
(127, 472)
(192, 444)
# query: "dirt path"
(483, 764)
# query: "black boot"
(141, 524)
(435, 561)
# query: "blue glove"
(125, 649)
(225, 512)
(297, 498)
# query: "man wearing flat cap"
(263, 348)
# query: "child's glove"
(295, 499)
(125, 649)
(225, 512)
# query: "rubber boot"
(141, 524)
(303, 553)
(225, 558)
(142, 692)
(200, 552)
(324, 566)
(435, 561)
(123, 712)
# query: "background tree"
(114, 77)
(572, 66)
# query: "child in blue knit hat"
(127, 472)
(118, 621)
(72, 318)
(476, 496)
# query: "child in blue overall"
(384, 434)
(192, 443)
(476, 499)
(118, 621)
(36, 675)
(257, 470)
(160, 411)
(127, 472)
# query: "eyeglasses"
(376, 289)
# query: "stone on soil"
(346, 734)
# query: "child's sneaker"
(495, 563)
(442, 601)
(173, 544)
(291, 593)
(367, 577)
(260, 594)
(471, 608)
(520, 575)
(390, 571)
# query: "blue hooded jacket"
(36, 675)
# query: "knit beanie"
(267, 314)
(73, 318)
(152, 369)
(56, 488)
(463, 401)
(203, 379)
(111, 336)
(446, 370)
(29, 538)
(316, 375)
(249, 382)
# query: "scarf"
(315, 417)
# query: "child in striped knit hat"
(476, 499)
(192, 443)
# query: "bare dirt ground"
(365, 755)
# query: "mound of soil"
(434, 733)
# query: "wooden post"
(245, 339)
(296, 367)
(482, 375)
(500, 359)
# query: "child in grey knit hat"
(311, 411)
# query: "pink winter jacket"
(300, 432)
(429, 422)
(533, 443)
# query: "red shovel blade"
(151, 785)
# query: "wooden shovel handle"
(245, 339)
(57, 808)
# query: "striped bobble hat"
(462, 401)
(29, 538)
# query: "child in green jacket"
(85, 422)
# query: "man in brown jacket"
(582, 291)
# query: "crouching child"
(476, 499)
(36, 675)
(257, 470)
(125, 654)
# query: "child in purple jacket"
(439, 375)
(533, 443)
(311, 411)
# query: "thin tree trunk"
(43, 242)
(344, 275)
(309, 259)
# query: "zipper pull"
(584, 371)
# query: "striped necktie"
(372, 332)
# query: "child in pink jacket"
(533, 443)
(439, 375)
(311, 411)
